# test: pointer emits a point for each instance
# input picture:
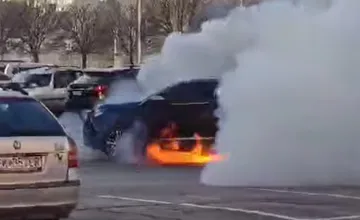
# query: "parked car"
(94, 86)
(38, 161)
(189, 105)
(13, 67)
(48, 84)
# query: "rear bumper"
(43, 200)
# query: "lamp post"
(139, 19)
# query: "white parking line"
(221, 208)
(308, 193)
(351, 217)
(135, 199)
(246, 211)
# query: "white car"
(38, 161)
(13, 67)
(48, 84)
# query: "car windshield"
(37, 121)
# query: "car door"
(155, 112)
(192, 104)
(60, 83)
(39, 86)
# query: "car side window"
(38, 80)
(190, 92)
(64, 78)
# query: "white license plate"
(77, 92)
(21, 164)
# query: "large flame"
(168, 149)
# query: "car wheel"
(128, 146)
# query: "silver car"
(48, 85)
(38, 161)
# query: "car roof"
(108, 70)
(12, 94)
(180, 83)
(198, 80)
(190, 81)
(49, 70)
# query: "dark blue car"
(189, 105)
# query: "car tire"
(129, 146)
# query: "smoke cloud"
(124, 91)
(289, 91)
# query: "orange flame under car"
(167, 150)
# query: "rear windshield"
(27, 117)
(93, 77)
(105, 76)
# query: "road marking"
(341, 196)
(221, 208)
(135, 199)
(203, 197)
(246, 211)
(340, 218)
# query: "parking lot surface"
(113, 192)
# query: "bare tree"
(8, 19)
(36, 23)
(169, 16)
(124, 22)
(85, 28)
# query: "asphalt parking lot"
(114, 192)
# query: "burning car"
(173, 126)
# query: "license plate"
(21, 164)
(76, 92)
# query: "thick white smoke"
(290, 92)
(123, 91)
(72, 124)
